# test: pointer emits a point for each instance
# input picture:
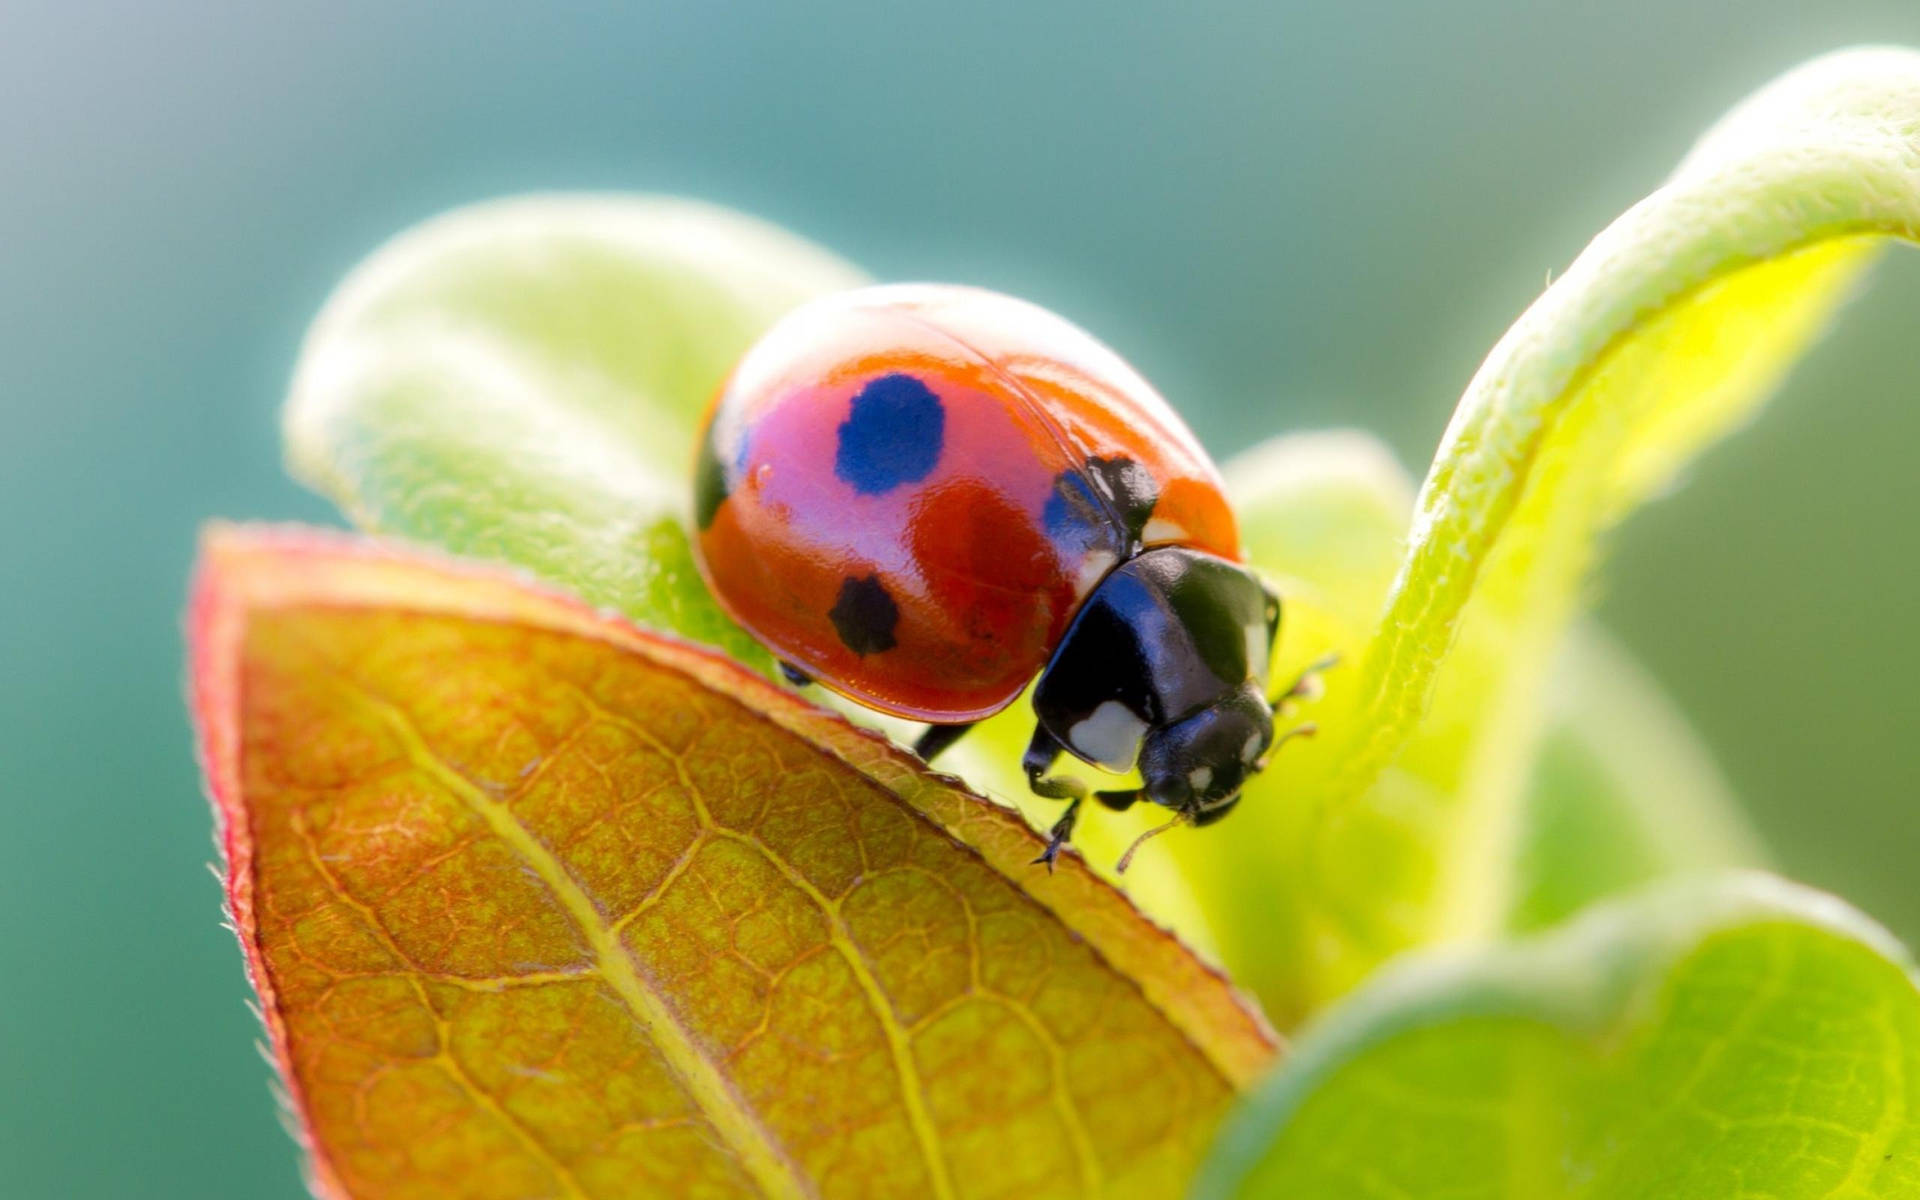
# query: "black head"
(1197, 765)
(1166, 667)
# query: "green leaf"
(1621, 794)
(1744, 1037)
(1323, 515)
(1665, 333)
(519, 382)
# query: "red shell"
(923, 551)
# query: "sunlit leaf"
(538, 903)
(519, 381)
(1622, 792)
(1323, 516)
(1665, 333)
(1743, 1037)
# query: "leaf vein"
(912, 1091)
(562, 1173)
(758, 1152)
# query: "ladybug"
(921, 495)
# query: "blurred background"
(1288, 215)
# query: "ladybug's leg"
(937, 738)
(1058, 836)
(1298, 731)
(1039, 759)
(1306, 688)
(794, 675)
(1122, 800)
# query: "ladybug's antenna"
(1298, 731)
(1309, 686)
(1179, 818)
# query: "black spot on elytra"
(864, 616)
(1093, 497)
(709, 482)
(891, 436)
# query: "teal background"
(1287, 215)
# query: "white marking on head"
(1217, 802)
(1159, 531)
(1093, 570)
(1109, 737)
(1199, 778)
(1251, 750)
(1258, 651)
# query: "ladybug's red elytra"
(921, 495)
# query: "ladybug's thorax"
(1165, 665)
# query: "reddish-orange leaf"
(539, 904)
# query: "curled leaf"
(1622, 794)
(1664, 334)
(539, 903)
(1740, 1037)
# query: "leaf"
(1322, 515)
(1665, 333)
(1744, 1037)
(539, 903)
(1621, 794)
(519, 382)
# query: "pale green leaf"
(519, 381)
(1323, 515)
(1663, 335)
(1622, 792)
(1739, 1037)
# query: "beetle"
(921, 495)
